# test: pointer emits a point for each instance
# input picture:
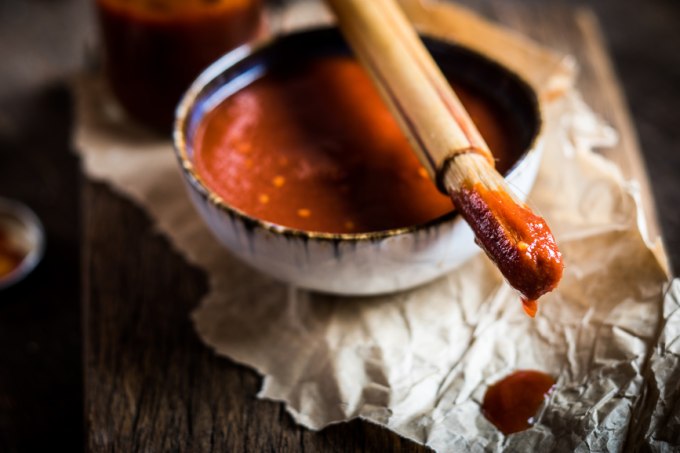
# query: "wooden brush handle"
(450, 146)
(417, 92)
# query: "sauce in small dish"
(22, 240)
(10, 255)
(313, 147)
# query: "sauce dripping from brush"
(530, 306)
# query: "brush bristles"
(465, 170)
(516, 239)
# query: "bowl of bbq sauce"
(298, 167)
(154, 49)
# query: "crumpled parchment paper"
(420, 361)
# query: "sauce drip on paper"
(511, 403)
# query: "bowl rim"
(208, 75)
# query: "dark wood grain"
(40, 335)
(40, 322)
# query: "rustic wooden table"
(149, 384)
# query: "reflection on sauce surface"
(10, 258)
(155, 48)
(511, 403)
(315, 148)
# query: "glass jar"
(153, 49)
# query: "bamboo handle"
(416, 91)
(449, 145)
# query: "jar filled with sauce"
(154, 49)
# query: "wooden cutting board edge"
(630, 159)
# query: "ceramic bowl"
(350, 264)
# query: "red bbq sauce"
(511, 403)
(522, 247)
(530, 306)
(10, 257)
(154, 49)
(315, 148)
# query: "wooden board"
(150, 385)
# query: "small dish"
(357, 263)
(24, 235)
